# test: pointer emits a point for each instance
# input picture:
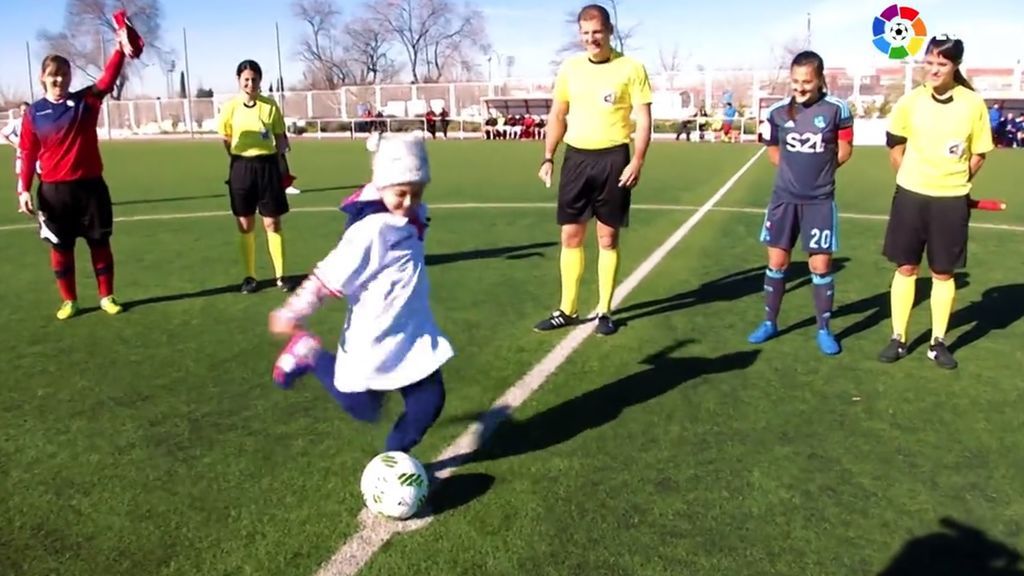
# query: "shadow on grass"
(224, 195)
(998, 309)
(455, 492)
(594, 408)
(508, 252)
(876, 308)
(518, 252)
(956, 549)
(728, 288)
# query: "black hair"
(951, 49)
(249, 65)
(815, 61)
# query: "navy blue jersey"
(808, 147)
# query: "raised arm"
(106, 82)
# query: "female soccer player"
(810, 135)
(938, 136)
(59, 131)
(391, 340)
(254, 136)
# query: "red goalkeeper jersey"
(62, 135)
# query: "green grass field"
(155, 443)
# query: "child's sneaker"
(296, 359)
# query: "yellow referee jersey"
(601, 97)
(251, 128)
(942, 135)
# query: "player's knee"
(245, 224)
(608, 240)
(907, 270)
(272, 224)
(572, 235)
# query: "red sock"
(63, 264)
(103, 266)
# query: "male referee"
(598, 90)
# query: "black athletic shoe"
(285, 284)
(605, 325)
(248, 285)
(895, 350)
(558, 319)
(943, 358)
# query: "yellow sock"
(571, 264)
(248, 245)
(901, 298)
(607, 270)
(942, 298)
(275, 242)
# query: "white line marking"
(471, 205)
(375, 530)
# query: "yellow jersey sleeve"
(224, 121)
(561, 90)
(276, 117)
(640, 87)
(899, 116)
(981, 131)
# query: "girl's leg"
(364, 406)
(424, 401)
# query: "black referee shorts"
(919, 224)
(589, 186)
(75, 209)
(256, 184)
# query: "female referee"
(253, 129)
(938, 136)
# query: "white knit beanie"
(400, 160)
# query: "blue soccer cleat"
(764, 332)
(827, 343)
(296, 359)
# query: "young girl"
(390, 340)
(938, 136)
(59, 131)
(810, 135)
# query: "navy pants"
(424, 401)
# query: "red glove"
(124, 26)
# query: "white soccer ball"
(394, 484)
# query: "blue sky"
(731, 33)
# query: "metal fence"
(676, 93)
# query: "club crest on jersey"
(819, 121)
(955, 149)
(608, 98)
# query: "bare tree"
(320, 47)
(621, 38)
(436, 35)
(10, 98)
(782, 57)
(88, 32)
(368, 42)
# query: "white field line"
(487, 205)
(375, 530)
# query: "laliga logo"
(899, 32)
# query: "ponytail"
(958, 77)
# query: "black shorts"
(256, 183)
(589, 187)
(74, 209)
(920, 223)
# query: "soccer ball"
(900, 32)
(394, 484)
